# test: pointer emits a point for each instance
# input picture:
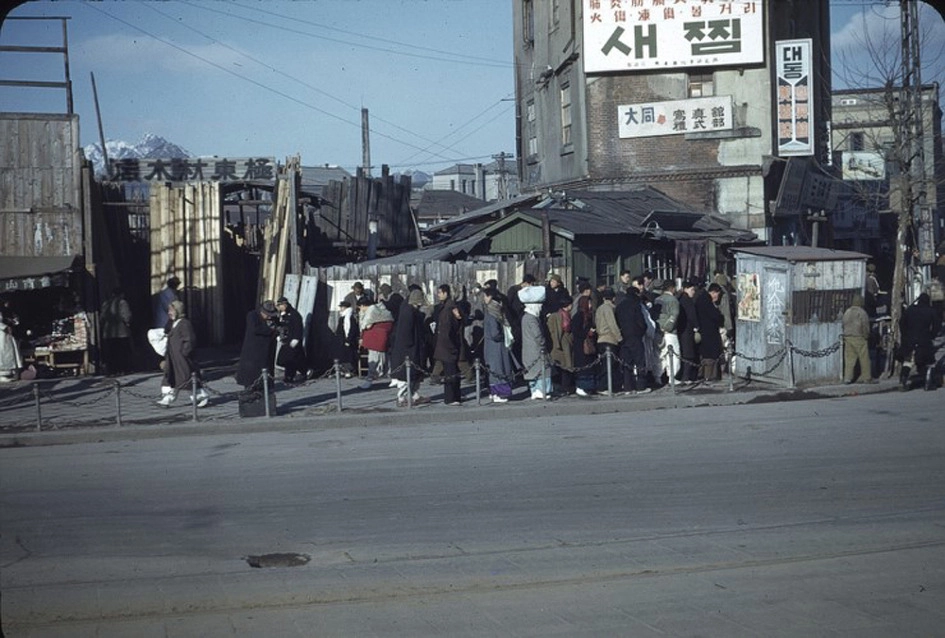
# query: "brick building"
(680, 96)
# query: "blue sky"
(244, 78)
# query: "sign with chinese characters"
(794, 98)
(636, 35)
(675, 117)
(34, 283)
(219, 169)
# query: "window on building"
(565, 114)
(528, 21)
(856, 141)
(464, 187)
(452, 184)
(606, 269)
(531, 128)
(472, 186)
(701, 85)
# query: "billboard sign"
(794, 97)
(193, 169)
(675, 117)
(637, 35)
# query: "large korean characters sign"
(794, 98)
(636, 35)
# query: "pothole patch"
(278, 560)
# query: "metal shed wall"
(798, 303)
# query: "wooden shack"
(794, 296)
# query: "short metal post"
(541, 373)
(118, 402)
(608, 359)
(193, 396)
(265, 378)
(672, 368)
(409, 377)
(731, 368)
(338, 383)
(39, 411)
(476, 365)
(790, 357)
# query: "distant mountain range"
(151, 145)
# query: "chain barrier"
(816, 354)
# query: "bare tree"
(885, 63)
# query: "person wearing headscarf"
(259, 342)
(534, 348)
(180, 365)
(407, 349)
(496, 342)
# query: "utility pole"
(502, 186)
(365, 143)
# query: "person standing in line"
(375, 323)
(407, 348)
(711, 327)
(116, 333)
(514, 309)
(856, 334)
(562, 345)
(687, 328)
(632, 324)
(534, 350)
(624, 283)
(181, 342)
(667, 316)
(555, 295)
(348, 337)
(584, 351)
(608, 336)
(291, 352)
(498, 359)
(258, 349)
(449, 333)
(163, 301)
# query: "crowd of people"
(633, 337)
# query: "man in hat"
(687, 328)
(348, 337)
(667, 315)
(163, 301)
(258, 346)
(291, 353)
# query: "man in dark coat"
(632, 323)
(449, 333)
(687, 327)
(710, 321)
(258, 345)
(291, 351)
(408, 341)
(918, 326)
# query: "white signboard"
(675, 117)
(863, 165)
(635, 35)
(795, 97)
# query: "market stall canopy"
(31, 273)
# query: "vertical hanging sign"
(794, 97)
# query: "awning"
(32, 273)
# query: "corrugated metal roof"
(445, 251)
(516, 203)
(802, 253)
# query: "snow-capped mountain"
(418, 179)
(150, 145)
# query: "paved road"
(814, 518)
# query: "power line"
(250, 80)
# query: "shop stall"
(40, 297)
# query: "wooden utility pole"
(365, 143)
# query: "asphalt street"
(808, 518)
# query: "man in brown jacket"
(856, 333)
